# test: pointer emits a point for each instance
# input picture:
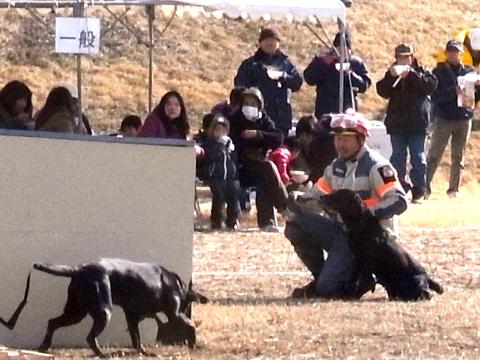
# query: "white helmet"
(474, 36)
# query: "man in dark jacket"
(408, 86)
(323, 72)
(271, 71)
(453, 118)
(253, 134)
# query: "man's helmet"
(350, 123)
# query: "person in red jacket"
(283, 156)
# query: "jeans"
(459, 131)
(224, 191)
(311, 234)
(414, 143)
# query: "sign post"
(77, 35)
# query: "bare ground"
(249, 275)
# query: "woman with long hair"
(168, 119)
(16, 106)
(58, 113)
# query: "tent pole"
(151, 17)
(341, 89)
(79, 11)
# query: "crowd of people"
(245, 143)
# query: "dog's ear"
(193, 296)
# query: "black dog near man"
(141, 289)
(376, 252)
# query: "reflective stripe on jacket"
(373, 178)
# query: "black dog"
(10, 324)
(141, 289)
(376, 252)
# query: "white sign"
(77, 35)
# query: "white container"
(379, 140)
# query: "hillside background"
(199, 55)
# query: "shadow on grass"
(287, 301)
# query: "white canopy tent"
(300, 10)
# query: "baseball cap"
(454, 45)
(404, 49)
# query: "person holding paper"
(453, 117)
(275, 75)
(323, 72)
(407, 87)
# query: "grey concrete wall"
(69, 201)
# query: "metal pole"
(79, 11)
(151, 17)
(341, 89)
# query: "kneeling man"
(364, 171)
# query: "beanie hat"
(348, 40)
(268, 33)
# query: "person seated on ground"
(254, 133)
(317, 147)
(82, 127)
(283, 157)
(58, 114)
(357, 168)
(217, 150)
(168, 119)
(16, 106)
(228, 107)
(130, 126)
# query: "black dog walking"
(376, 252)
(141, 289)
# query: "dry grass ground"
(249, 275)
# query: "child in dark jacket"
(217, 151)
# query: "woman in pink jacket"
(168, 119)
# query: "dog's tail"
(10, 324)
(57, 270)
(435, 286)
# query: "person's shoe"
(452, 194)
(305, 292)
(270, 229)
(417, 199)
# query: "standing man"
(324, 73)
(408, 86)
(271, 71)
(452, 119)
(364, 171)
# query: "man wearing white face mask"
(254, 133)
